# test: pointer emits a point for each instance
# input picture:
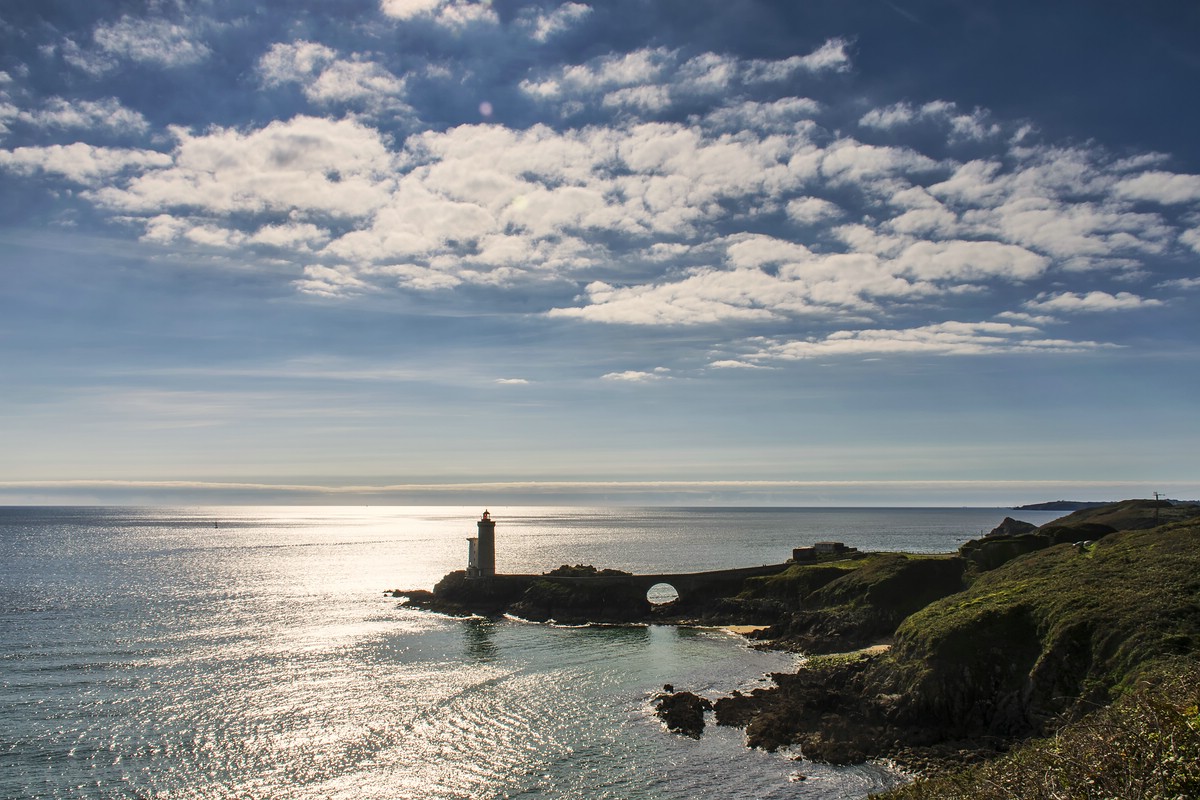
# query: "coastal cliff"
(1029, 646)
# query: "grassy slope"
(1129, 515)
(1049, 633)
(853, 602)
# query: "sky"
(938, 252)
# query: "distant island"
(1085, 630)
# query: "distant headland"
(933, 661)
(1062, 505)
(1079, 505)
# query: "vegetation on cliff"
(852, 603)
(1130, 514)
(1014, 538)
(1049, 631)
(1039, 646)
(1145, 745)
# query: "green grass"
(899, 581)
(1130, 515)
(1054, 628)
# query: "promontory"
(1052, 661)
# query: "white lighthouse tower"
(481, 549)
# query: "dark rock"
(583, 571)
(578, 602)
(1012, 527)
(995, 551)
(683, 712)
(738, 709)
(417, 596)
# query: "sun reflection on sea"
(261, 659)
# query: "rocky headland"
(1052, 627)
(936, 662)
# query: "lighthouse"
(481, 551)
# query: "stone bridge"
(690, 585)
(592, 598)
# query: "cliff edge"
(1027, 647)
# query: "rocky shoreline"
(1017, 633)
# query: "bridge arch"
(662, 593)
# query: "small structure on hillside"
(481, 549)
(802, 554)
(815, 551)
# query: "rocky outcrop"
(802, 709)
(997, 550)
(578, 602)
(1012, 527)
(583, 571)
(682, 712)
(573, 599)
(457, 595)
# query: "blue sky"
(427, 251)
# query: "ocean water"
(252, 653)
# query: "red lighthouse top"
(487, 516)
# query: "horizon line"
(633, 485)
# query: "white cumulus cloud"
(79, 162)
(406, 9)
(974, 125)
(1161, 187)
(327, 79)
(1071, 302)
(155, 41)
(939, 339)
(109, 113)
(636, 376)
(544, 26)
(306, 164)
(447, 13)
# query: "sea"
(254, 652)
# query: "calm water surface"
(251, 653)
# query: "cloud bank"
(660, 187)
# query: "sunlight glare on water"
(252, 653)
